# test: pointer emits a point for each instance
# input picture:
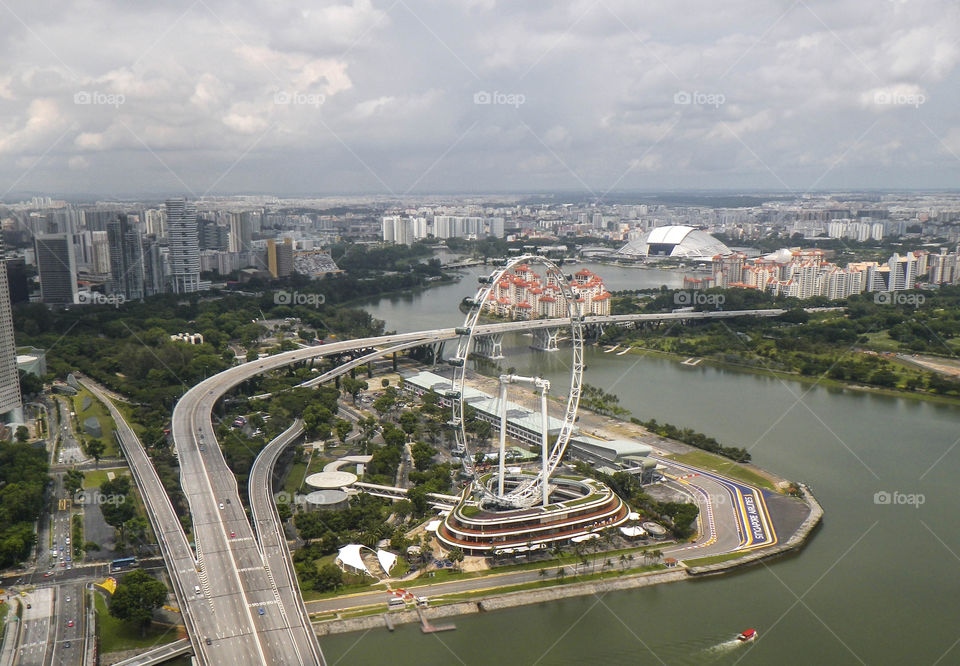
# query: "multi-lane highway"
(248, 610)
(177, 554)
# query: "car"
(69, 566)
(68, 598)
(221, 505)
(29, 605)
(68, 559)
(69, 623)
(233, 535)
(66, 644)
(208, 641)
(67, 541)
(63, 564)
(227, 500)
(48, 574)
(260, 611)
(202, 448)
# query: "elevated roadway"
(251, 616)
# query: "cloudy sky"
(393, 96)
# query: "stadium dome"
(675, 241)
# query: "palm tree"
(623, 561)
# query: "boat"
(747, 635)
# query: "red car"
(70, 623)
(233, 535)
(48, 574)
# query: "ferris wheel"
(528, 490)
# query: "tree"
(409, 422)
(456, 555)
(384, 404)
(343, 428)
(329, 577)
(384, 382)
(30, 383)
(95, 449)
(73, 481)
(137, 596)
(22, 434)
(353, 387)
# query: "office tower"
(280, 258)
(17, 280)
(100, 253)
(184, 246)
(126, 258)
(241, 232)
(97, 220)
(156, 222)
(57, 268)
(212, 236)
(9, 377)
(153, 282)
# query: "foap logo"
(296, 298)
(96, 298)
(293, 499)
(697, 98)
(95, 97)
(689, 298)
(294, 97)
(899, 98)
(898, 298)
(90, 497)
(483, 97)
(883, 497)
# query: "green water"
(877, 584)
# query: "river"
(877, 584)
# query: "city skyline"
(388, 99)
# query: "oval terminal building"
(578, 507)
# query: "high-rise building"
(153, 282)
(212, 236)
(241, 232)
(126, 258)
(184, 246)
(280, 258)
(57, 268)
(9, 377)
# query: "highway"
(177, 554)
(269, 529)
(245, 607)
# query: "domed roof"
(675, 241)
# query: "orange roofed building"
(524, 294)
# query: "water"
(877, 584)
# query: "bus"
(123, 563)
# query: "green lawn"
(295, 477)
(713, 559)
(720, 465)
(116, 634)
(96, 478)
(98, 410)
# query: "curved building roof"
(675, 241)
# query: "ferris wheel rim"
(528, 490)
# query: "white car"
(221, 505)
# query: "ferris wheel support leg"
(544, 442)
(503, 435)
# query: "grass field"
(723, 466)
(713, 559)
(96, 478)
(98, 410)
(116, 634)
(295, 477)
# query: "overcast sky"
(210, 97)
